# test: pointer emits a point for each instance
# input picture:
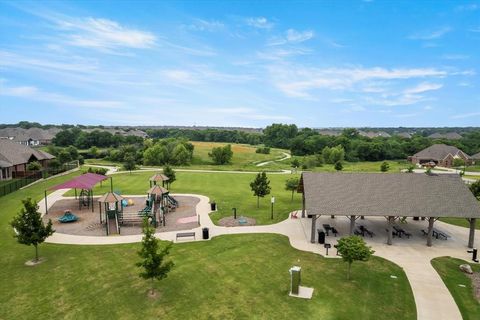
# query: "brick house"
(15, 157)
(441, 154)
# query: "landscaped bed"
(460, 285)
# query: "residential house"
(15, 157)
(440, 154)
(448, 135)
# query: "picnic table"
(327, 228)
(399, 231)
(440, 234)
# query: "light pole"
(272, 202)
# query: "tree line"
(307, 141)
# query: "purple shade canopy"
(85, 181)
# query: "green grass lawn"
(460, 222)
(365, 166)
(447, 268)
(240, 276)
(228, 190)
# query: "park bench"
(185, 235)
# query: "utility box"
(295, 279)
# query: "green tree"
(34, 166)
(93, 152)
(385, 166)
(458, 162)
(64, 157)
(153, 264)
(54, 164)
(475, 188)
(221, 155)
(130, 164)
(353, 248)
(29, 226)
(338, 166)
(170, 173)
(260, 186)
(292, 185)
(295, 163)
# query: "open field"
(365, 166)
(452, 276)
(242, 276)
(228, 190)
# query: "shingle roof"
(476, 156)
(448, 135)
(16, 153)
(385, 194)
(438, 152)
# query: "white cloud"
(430, 35)
(455, 56)
(104, 33)
(206, 25)
(248, 113)
(22, 91)
(296, 81)
(292, 36)
(299, 36)
(466, 115)
(428, 108)
(468, 7)
(35, 94)
(259, 22)
(423, 87)
(179, 76)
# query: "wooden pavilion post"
(303, 204)
(390, 219)
(352, 224)
(314, 223)
(471, 235)
(431, 220)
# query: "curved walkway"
(432, 298)
(285, 157)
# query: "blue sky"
(220, 63)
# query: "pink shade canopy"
(85, 181)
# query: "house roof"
(388, 194)
(15, 153)
(404, 135)
(372, 134)
(448, 135)
(476, 156)
(438, 152)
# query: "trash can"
(213, 206)
(205, 234)
(321, 236)
(295, 279)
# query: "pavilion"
(84, 182)
(389, 195)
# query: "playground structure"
(117, 214)
(85, 183)
(159, 177)
(113, 209)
